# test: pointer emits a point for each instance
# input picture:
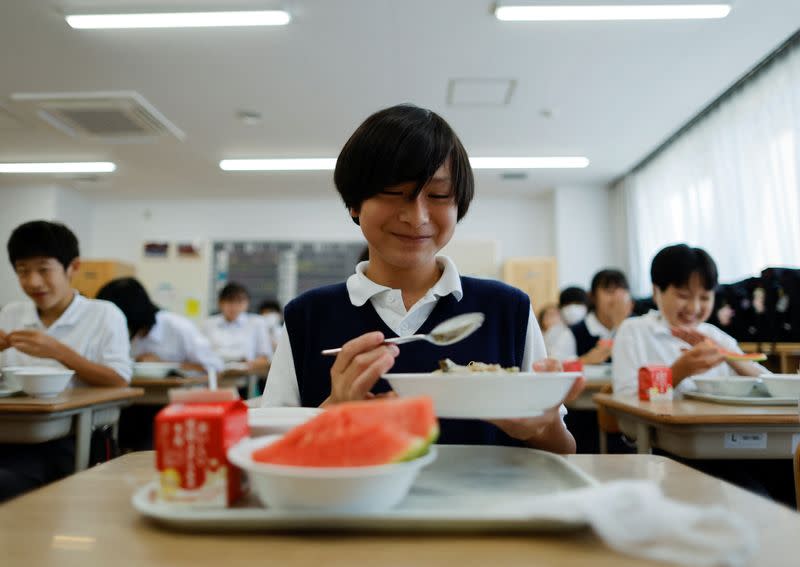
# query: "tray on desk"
(741, 400)
(463, 490)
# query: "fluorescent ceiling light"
(611, 12)
(298, 164)
(528, 162)
(59, 167)
(329, 164)
(179, 20)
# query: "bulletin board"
(280, 270)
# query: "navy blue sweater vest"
(584, 341)
(325, 318)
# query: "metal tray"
(742, 400)
(468, 488)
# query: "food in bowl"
(448, 366)
(354, 457)
(782, 385)
(42, 381)
(738, 386)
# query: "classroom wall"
(521, 226)
(19, 205)
(583, 233)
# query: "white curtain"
(729, 185)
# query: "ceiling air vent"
(105, 116)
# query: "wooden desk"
(704, 430)
(24, 419)
(87, 519)
(155, 389)
(787, 353)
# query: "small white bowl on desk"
(154, 369)
(782, 385)
(741, 386)
(271, 421)
(362, 490)
(42, 381)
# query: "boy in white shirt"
(237, 335)
(677, 334)
(57, 328)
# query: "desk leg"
(643, 439)
(603, 442)
(83, 439)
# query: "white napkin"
(635, 518)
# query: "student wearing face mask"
(272, 313)
(573, 305)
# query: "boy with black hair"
(60, 328)
(590, 339)
(237, 335)
(684, 280)
(406, 181)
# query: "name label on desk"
(745, 440)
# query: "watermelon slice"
(752, 357)
(374, 432)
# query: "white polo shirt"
(282, 389)
(561, 343)
(175, 338)
(648, 340)
(244, 338)
(95, 329)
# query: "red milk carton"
(192, 441)
(655, 383)
(573, 365)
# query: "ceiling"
(615, 90)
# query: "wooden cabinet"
(94, 274)
(538, 277)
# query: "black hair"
(401, 144)
(364, 256)
(674, 265)
(132, 299)
(233, 292)
(43, 238)
(609, 279)
(271, 304)
(573, 294)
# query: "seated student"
(677, 334)
(237, 335)
(611, 303)
(271, 311)
(60, 328)
(156, 334)
(573, 304)
(405, 179)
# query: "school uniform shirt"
(648, 340)
(175, 338)
(95, 329)
(244, 338)
(562, 343)
(282, 387)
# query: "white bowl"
(597, 371)
(42, 382)
(723, 386)
(360, 490)
(782, 385)
(269, 421)
(8, 376)
(154, 369)
(486, 395)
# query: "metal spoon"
(445, 333)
